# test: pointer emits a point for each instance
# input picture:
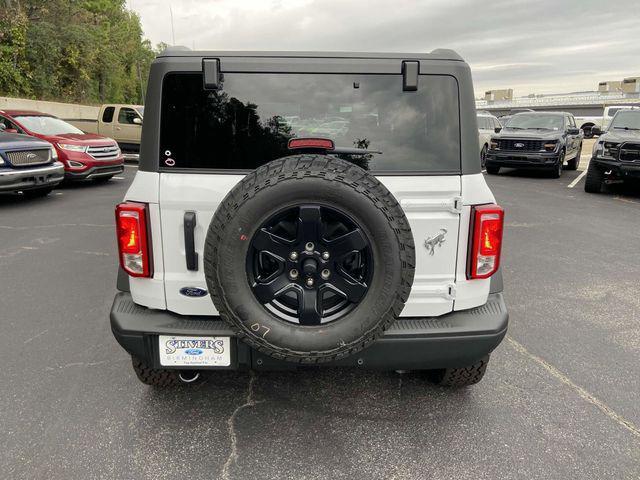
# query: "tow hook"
(188, 376)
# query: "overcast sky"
(541, 46)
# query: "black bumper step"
(455, 339)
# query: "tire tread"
(331, 169)
(593, 180)
(154, 376)
(462, 376)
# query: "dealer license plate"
(194, 351)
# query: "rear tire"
(492, 170)
(595, 179)
(459, 377)
(37, 192)
(574, 163)
(154, 376)
(588, 133)
(483, 156)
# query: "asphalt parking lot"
(560, 399)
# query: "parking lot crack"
(582, 393)
(233, 437)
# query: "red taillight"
(486, 241)
(317, 143)
(133, 242)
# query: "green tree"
(87, 51)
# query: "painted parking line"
(130, 166)
(626, 200)
(577, 179)
(582, 392)
(118, 178)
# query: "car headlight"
(54, 154)
(494, 144)
(72, 148)
(597, 148)
(550, 145)
(610, 149)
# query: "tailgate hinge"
(451, 288)
(456, 205)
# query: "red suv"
(84, 155)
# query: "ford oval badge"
(193, 292)
(193, 351)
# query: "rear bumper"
(95, 172)
(522, 159)
(26, 178)
(454, 340)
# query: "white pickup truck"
(123, 123)
(601, 122)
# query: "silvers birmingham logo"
(216, 345)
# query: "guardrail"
(595, 100)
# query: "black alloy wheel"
(309, 264)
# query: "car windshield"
(140, 111)
(45, 125)
(372, 121)
(535, 121)
(626, 119)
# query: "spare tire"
(309, 259)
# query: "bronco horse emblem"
(436, 241)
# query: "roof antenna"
(173, 32)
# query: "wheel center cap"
(310, 266)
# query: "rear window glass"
(249, 121)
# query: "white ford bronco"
(296, 209)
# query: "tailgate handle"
(189, 242)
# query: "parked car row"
(39, 151)
(552, 141)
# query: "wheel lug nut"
(293, 256)
(309, 282)
(293, 274)
(309, 247)
(325, 255)
(325, 273)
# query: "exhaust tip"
(188, 376)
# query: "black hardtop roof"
(437, 54)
